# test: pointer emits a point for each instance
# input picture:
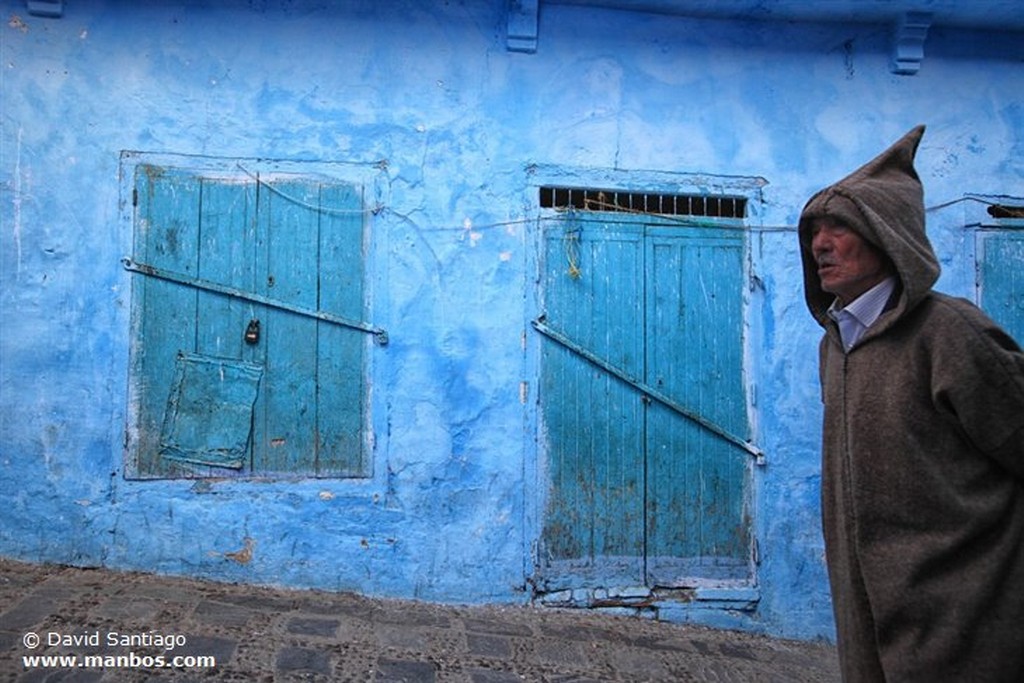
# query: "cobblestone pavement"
(117, 626)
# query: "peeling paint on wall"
(244, 555)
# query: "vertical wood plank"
(696, 482)
(226, 249)
(616, 332)
(226, 246)
(341, 370)
(592, 421)
(164, 315)
(285, 420)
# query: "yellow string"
(572, 248)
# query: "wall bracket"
(45, 8)
(523, 20)
(908, 43)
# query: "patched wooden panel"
(208, 420)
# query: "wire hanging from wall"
(375, 209)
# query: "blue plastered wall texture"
(426, 100)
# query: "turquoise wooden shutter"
(1001, 280)
(293, 241)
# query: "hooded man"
(923, 442)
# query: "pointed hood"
(883, 201)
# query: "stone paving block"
(257, 602)
(405, 671)
(403, 638)
(161, 593)
(704, 648)
(664, 644)
(222, 613)
(28, 612)
(303, 659)
(641, 664)
(223, 649)
(414, 617)
(489, 645)
(312, 626)
(341, 604)
(127, 607)
(737, 651)
(560, 652)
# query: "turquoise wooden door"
(638, 493)
(1001, 279)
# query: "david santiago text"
(165, 641)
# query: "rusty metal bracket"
(380, 335)
(647, 390)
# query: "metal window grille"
(590, 199)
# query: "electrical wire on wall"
(375, 209)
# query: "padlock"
(252, 332)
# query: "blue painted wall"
(455, 506)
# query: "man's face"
(848, 265)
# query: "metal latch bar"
(380, 335)
(647, 389)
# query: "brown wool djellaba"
(922, 456)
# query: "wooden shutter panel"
(294, 240)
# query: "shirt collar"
(868, 306)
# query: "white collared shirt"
(856, 317)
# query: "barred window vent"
(1005, 211)
(590, 199)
